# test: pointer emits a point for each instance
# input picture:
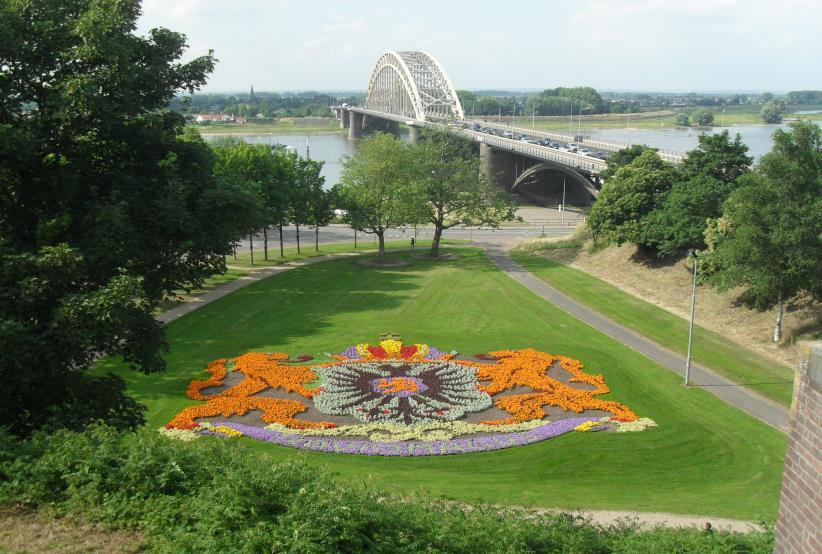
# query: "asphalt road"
(343, 233)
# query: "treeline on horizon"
(549, 102)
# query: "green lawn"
(241, 265)
(735, 362)
(705, 458)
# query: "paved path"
(734, 394)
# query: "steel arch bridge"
(412, 85)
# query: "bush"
(215, 496)
(703, 117)
(683, 120)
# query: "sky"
(636, 45)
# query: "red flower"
(378, 352)
(408, 351)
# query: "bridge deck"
(544, 153)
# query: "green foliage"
(559, 101)
(451, 188)
(674, 218)
(210, 496)
(682, 119)
(718, 157)
(805, 97)
(772, 112)
(106, 205)
(703, 117)
(377, 185)
(771, 237)
(629, 197)
(709, 175)
(622, 158)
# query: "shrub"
(215, 496)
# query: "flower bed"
(464, 445)
(409, 400)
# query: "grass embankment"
(732, 360)
(734, 115)
(705, 458)
(285, 126)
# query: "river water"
(329, 148)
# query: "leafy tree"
(680, 221)
(377, 187)
(771, 112)
(244, 169)
(709, 175)
(683, 120)
(307, 179)
(623, 157)
(718, 157)
(703, 117)
(451, 188)
(321, 206)
(106, 206)
(629, 197)
(769, 238)
(277, 191)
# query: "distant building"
(221, 117)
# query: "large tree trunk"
(265, 241)
(435, 242)
(298, 238)
(777, 329)
(316, 239)
(282, 251)
(381, 251)
(251, 246)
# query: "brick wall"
(799, 525)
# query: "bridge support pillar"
(343, 119)
(414, 134)
(498, 166)
(355, 121)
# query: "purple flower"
(342, 445)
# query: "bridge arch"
(412, 85)
(558, 168)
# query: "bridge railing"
(582, 163)
(607, 146)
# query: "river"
(329, 148)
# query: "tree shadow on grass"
(271, 313)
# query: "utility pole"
(571, 126)
(562, 207)
(694, 255)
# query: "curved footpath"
(734, 394)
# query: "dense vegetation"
(761, 226)
(389, 183)
(211, 497)
(106, 205)
(262, 106)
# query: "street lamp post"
(562, 207)
(695, 256)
